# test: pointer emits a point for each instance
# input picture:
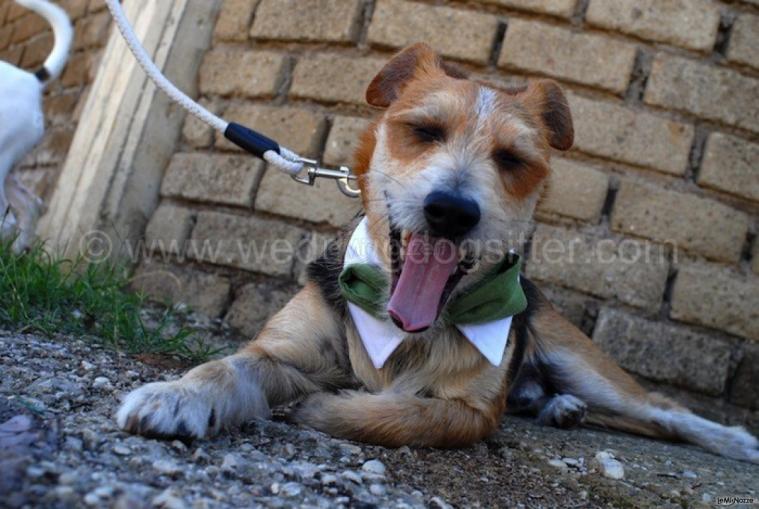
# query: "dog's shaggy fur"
(439, 130)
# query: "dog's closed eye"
(506, 160)
(428, 133)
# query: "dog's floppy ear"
(548, 101)
(415, 60)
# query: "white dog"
(22, 124)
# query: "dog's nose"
(450, 215)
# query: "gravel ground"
(59, 447)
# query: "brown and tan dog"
(451, 158)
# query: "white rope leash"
(286, 160)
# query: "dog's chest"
(434, 366)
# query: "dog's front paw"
(169, 409)
(563, 411)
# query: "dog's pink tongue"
(416, 298)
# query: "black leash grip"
(249, 140)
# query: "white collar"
(382, 337)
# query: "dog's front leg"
(300, 351)
(394, 419)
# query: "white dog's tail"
(64, 34)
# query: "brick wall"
(26, 40)
(665, 97)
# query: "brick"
(261, 245)
(12, 55)
(5, 36)
(633, 272)
(308, 20)
(616, 132)
(256, 303)
(297, 129)
(730, 165)
(397, 23)
(704, 90)
(237, 71)
(574, 306)
(660, 20)
(206, 293)
(563, 8)
(92, 31)
(744, 40)
(343, 139)
(74, 8)
(743, 391)
(96, 5)
(234, 20)
(196, 132)
(58, 107)
(15, 12)
(664, 352)
(55, 145)
(322, 203)
(316, 244)
(29, 26)
(574, 190)
(168, 229)
(334, 78)
(77, 70)
(717, 297)
(225, 179)
(589, 59)
(697, 225)
(37, 50)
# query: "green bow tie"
(497, 295)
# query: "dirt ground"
(59, 447)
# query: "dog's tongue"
(416, 298)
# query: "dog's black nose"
(450, 215)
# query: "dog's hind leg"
(574, 365)
(27, 209)
(7, 218)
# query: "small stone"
(689, 474)
(374, 467)
(439, 503)
(169, 499)
(166, 467)
(200, 456)
(350, 475)
(350, 449)
(291, 489)
(328, 479)
(377, 490)
(87, 366)
(609, 466)
(274, 488)
(557, 463)
(122, 450)
(101, 382)
(231, 463)
(178, 446)
(572, 462)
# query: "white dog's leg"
(27, 209)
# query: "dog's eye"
(428, 133)
(506, 161)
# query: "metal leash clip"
(342, 175)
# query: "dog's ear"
(548, 101)
(414, 61)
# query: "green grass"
(47, 295)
